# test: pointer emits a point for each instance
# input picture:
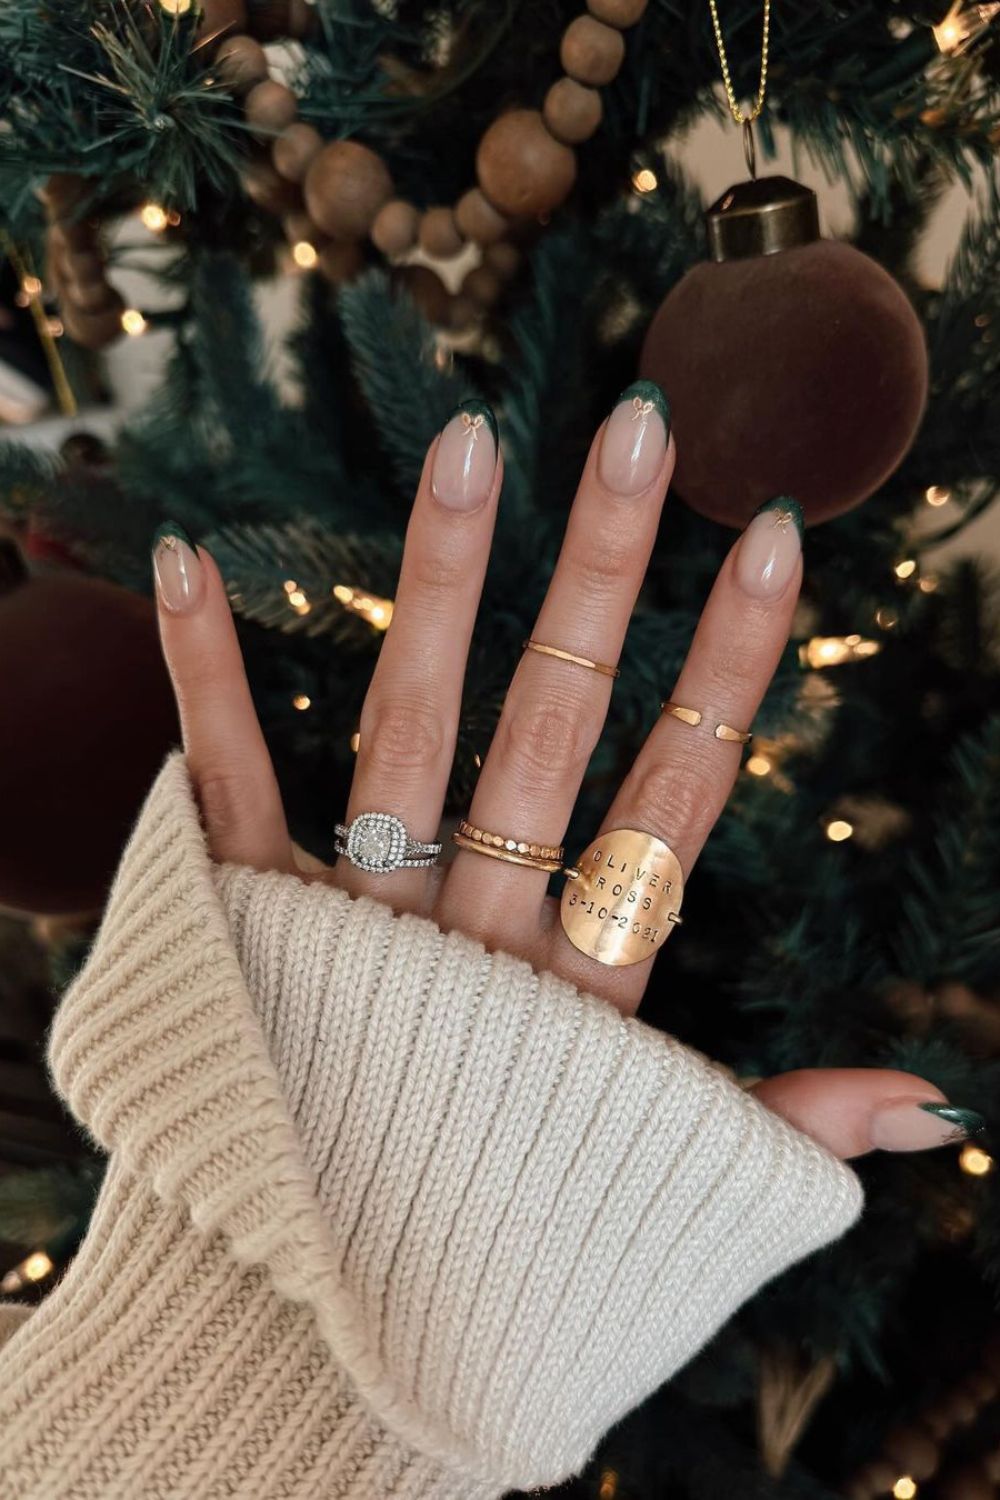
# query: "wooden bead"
(264, 187)
(478, 220)
(302, 18)
(572, 111)
(395, 228)
(483, 286)
(294, 150)
(439, 234)
(503, 259)
(345, 187)
(341, 262)
(299, 226)
(270, 107)
(220, 16)
(241, 63)
(617, 12)
(522, 169)
(590, 51)
(268, 19)
(427, 290)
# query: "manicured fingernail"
(768, 552)
(917, 1125)
(635, 439)
(466, 457)
(179, 579)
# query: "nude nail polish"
(466, 457)
(920, 1124)
(635, 439)
(177, 570)
(768, 552)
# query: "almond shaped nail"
(466, 457)
(768, 552)
(180, 582)
(635, 439)
(921, 1124)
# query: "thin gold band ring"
(509, 856)
(580, 661)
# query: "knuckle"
(436, 572)
(682, 795)
(401, 733)
(548, 741)
(601, 566)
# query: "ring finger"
(684, 773)
(555, 708)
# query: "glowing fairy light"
(838, 830)
(133, 322)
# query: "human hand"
(551, 720)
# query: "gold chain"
(738, 114)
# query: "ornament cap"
(762, 217)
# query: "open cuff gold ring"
(693, 717)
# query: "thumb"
(854, 1110)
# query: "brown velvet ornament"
(218, 16)
(522, 169)
(345, 187)
(799, 373)
(89, 718)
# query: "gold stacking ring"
(693, 717)
(581, 661)
(514, 851)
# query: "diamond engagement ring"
(379, 843)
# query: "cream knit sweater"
(387, 1215)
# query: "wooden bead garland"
(334, 195)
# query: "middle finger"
(555, 708)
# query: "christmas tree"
(484, 200)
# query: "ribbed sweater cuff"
(512, 1212)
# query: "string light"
(838, 830)
(928, 585)
(936, 495)
(835, 650)
(355, 741)
(905, 1488)
(974, 1160)
(962, 25)
(35, 1267)
(55, 327)
(906, 568)
(378, 612)
(609, 1485)
(301, 701)
(645, 181)
(31, 286)
(759, 765)
(886, 618)
(154, 217)
(304, 254)
(176, 7)
(133, 322)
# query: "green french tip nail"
(476, 408)
(174, 529)
(789, 506)
(968, 1121)
(643, 392)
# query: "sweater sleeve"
(387, 1215)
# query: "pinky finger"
(226, 754)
